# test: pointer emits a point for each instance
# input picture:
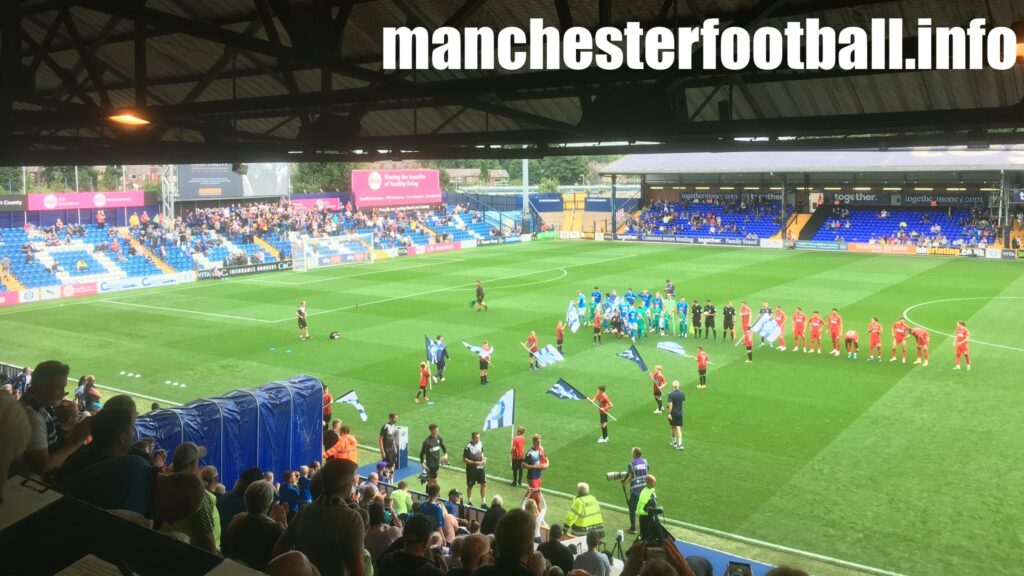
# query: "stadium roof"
(250, 80)
(921, 160)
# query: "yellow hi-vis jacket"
(584, 513)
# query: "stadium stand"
(721, 219)
(936, 227)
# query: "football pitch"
(909, 469)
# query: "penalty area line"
(182, 311)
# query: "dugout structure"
(277, 426)
(309, 252)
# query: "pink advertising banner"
(435, 248)
(85, 200)
(316, 203)
(373, 188)
(9, 298)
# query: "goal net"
(309, 253)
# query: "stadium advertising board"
(944, 200)
(76, 290)
(866, 248)
(229, 271)
(815, 245)
(704, 241)
(708, 196)
(859, 198)
(332, 204)
(434, 248)
(490, 241)
(9, 298)
(512, 240)
(1009, 254)
(13, 202)
(1017, 196)
(548, 235)
(85, 200)
(215, 181)
(335, 259)
(571, 235)
(598, 205)
(145, 282)
(954, 251)
(547, 202)
(771, 243)
(376, 188)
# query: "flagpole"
(614, 419)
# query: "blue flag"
(502, 415)
(350, 397)
(767, 328)
(478, 350)
(673, 347)
(548, 355)
(435, 350)
(572, 317)
(565, 391)
(632, 354)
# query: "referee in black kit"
(480, 304)
(709, 319)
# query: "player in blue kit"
(645, 297)
(630, 296)
(632, 318)
(581, 306)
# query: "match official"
(480, 304)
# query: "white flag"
(767, 328)
(548, 355)
(502, 415)
(350, 397)
(673, 347)
(572, 317)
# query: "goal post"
(309, 253)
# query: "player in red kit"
(799, 324)
(531, 348)
(702, 366)
(657, 382)
(424, 380)
(559, 335)
(852, 344)
(748, 341)
(961, 343)
(744, 316)
(604, 404)
(780, 321)
(921, 335)
(874, 339)
(817, 323)
(899, 338)
(835, 328)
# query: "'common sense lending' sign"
(373, 188)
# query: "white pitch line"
(184, 311)
(706, 530)
(436, 290)
(136, 394)
(906, 314)
(379, 271)
(564, 274)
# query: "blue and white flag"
(435, 350)
(572, 317)
(548, 355)
(350, 397)
(767, 328)
(565, 391)
(502, 415)
(673, 347)
(478, 350)
(632, 354)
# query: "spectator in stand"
(67, 415)
(159, 458)
(101, 219)
(454, 502)
(305, 478)
(328, 531)
(250, 536)
(346, 448)
(595, 563)
(402, 500)
(492, 516)
(514, 541)
(211, 479)
(292, 563)
(370, 486)
(130, 483)
(432, 508)
(203, 527)
(555, 552)
(21, 382)
(15, 433)
(233, 503)
(379, 535)
(289, 493)
(474, 552)
(414, 559)
(111, 431)
(44, 452)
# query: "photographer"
(636, 478)
(584, 513)
(647, 510)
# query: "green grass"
(909, 469)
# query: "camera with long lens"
(617, 475)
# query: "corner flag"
(502, 415)
(632, 354)
(350, 397)
(565, 391)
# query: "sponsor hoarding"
(569, 235)
(13, 202)
(76, 290)
(374, 188)
(994, 253)
(815, 245)
(1009, 254)
(214, 181)
(866, 248)
(333, 204)
(434, 248)
(547, 202)
(708, 196)
(549, 235)
(1017, 196)
(30, 295)
(771, 243)
(245, 270)
(145, 282)
(859, 198)
(954, 251)
(704, 241)
(49, 293)
(954, 200)
(10, 298)
(490, 241)
(85, 200)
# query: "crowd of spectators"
(318, 520)
(709, 217)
